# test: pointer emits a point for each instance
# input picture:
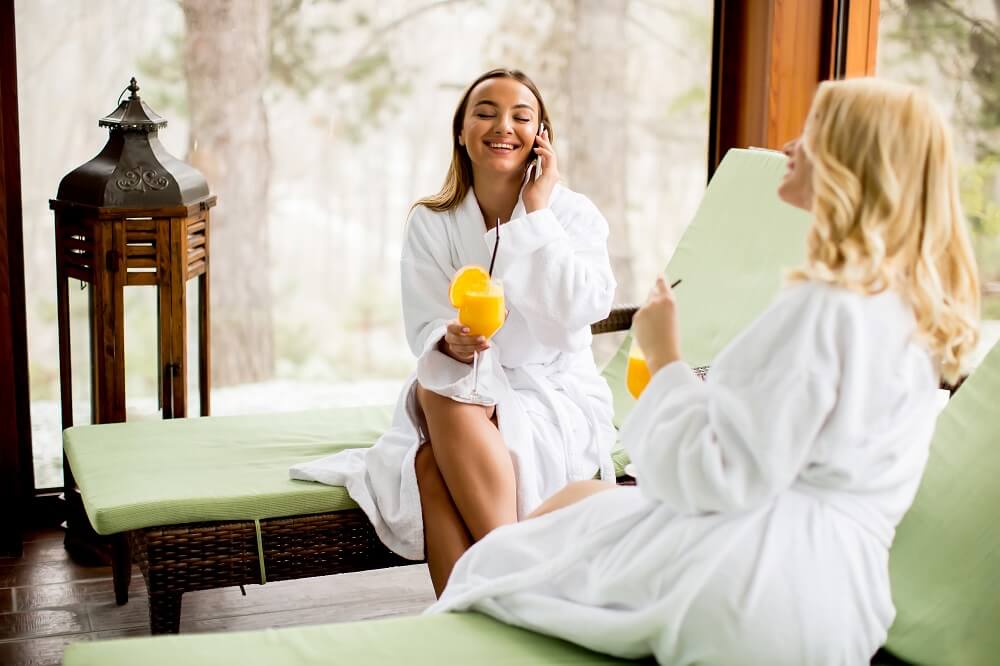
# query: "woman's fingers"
(462, 343)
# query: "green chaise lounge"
(206, 502)
(945, 567)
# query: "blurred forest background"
(318, 122)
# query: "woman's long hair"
(459, 178)
(886, 210)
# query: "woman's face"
(796, 187)
(501, 120)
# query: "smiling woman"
(503, 108)
(449, 472)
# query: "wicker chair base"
(202, 556)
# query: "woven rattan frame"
(175, 559)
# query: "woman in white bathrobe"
(447, 473)
(768, 495)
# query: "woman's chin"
(503, 166)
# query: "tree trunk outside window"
(226, 58)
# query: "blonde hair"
(886, 210)
(458, 180)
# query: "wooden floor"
(47, 602)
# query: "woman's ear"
(461, 141)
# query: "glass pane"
(192, 348)
(141, 350)
(950, 48)
(319, 138)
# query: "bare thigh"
(571, 494)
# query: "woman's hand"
(656, 329)
(536, 193)
(458, 344)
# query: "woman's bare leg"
(473, 460)
(571, 494)
(445, 534)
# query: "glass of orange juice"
(483, 310)
(636, 372)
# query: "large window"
(952, 48)
(318, 123)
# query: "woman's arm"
(425, 276)
(742, 437)
(556, 271)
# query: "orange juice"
(483, 310)
(637, 371)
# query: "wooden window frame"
(768, 57)
(16, 470)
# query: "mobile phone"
(535, 167)
(538, 160)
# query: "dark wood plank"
(48, 550)
(344, 590)
(48, 622)
(306, 616)
(38, 651)
(118, 633)
(105, 614)
(6, 599)
(43, 573)
(39, 597)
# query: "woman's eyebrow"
(488, 102)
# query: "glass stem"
(475, 373)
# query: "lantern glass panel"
(140, 353)
(193, 348)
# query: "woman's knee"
(432, 403)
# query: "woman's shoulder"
(423, 221)
(845, 318)
(566, 200)
(842, 302)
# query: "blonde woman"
(768, 495)
(447, 472)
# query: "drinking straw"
(496, 244)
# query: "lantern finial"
(133, 88)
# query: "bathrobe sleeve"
(425, 274)
(738, 439)
(555, 269)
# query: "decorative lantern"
(133, 216)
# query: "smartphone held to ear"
(535, 168)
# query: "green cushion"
(454, 638)
(153, 473)
(149, 473)
(945, 561)
(731, 259)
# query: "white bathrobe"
(766, 503)
(553, 407)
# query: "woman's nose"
(789, 147)
(503, 125)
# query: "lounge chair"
(206, 502)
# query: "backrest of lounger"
(731, 259)
(945, 561)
